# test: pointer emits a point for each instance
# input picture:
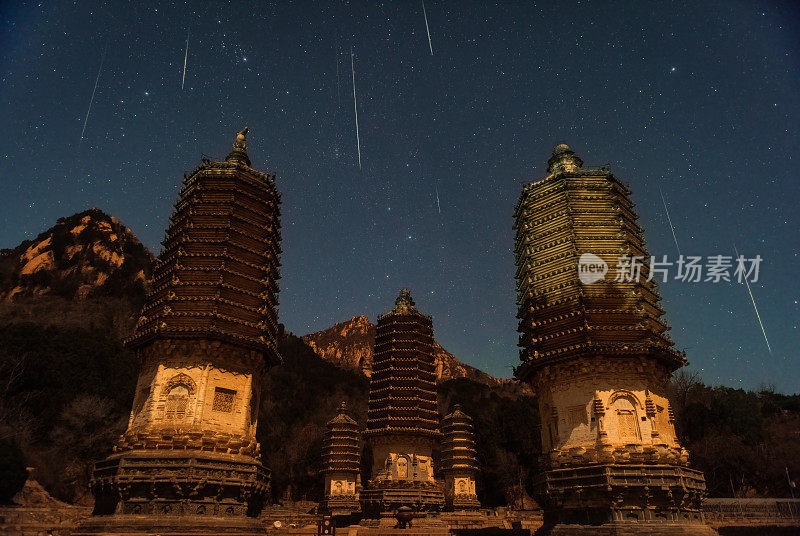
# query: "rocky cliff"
(87, 255)
(349, 345)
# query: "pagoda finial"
(563, 159)
(239, 151)
(404, 300)
(343, 407)
(457, 412)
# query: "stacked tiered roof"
(217, 275)
(341, 458)
(342, 450)
(571, 212)
(402, 418)
(459, 460)
(402, 395)
(458, 442)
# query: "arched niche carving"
(178, 394)
(179, 379)
(624, 393)
(402, 467)
(624, 408)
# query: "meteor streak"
(754, 305)
(96, 80)
(669, 220)
(185, 57)
(437, 199)
(426, 27)
(355, 106)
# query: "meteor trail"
(96, 80)
(437, 199)
(669, 220)
(754, 305)
(426, 27)
(185, 57)
(355, 106)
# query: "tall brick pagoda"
(341, 465)
(402, 419)
(459, 461)
(206, 335)
(599, 358)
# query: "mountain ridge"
(349, 345)
(89, 254)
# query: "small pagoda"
(459, 463)
(205, 337)
(595, 348)
(341, 459)
(402, 420)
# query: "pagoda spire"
(563, 159)
(404, 302)
(239, 152)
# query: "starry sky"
(698, 100)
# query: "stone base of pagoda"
(179, 484)
(459, 490)
(463, 502)
(387, 497)
(340, 505)
(606, 500)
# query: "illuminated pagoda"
(402, 419)
(205, 337)
(459, 463)
(598, 357)
(341, 459)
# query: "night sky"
(698, 99)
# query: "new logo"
(591, 268)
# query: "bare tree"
(14, 419)
(680, 386)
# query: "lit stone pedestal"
(645, 499)
(402, 476)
